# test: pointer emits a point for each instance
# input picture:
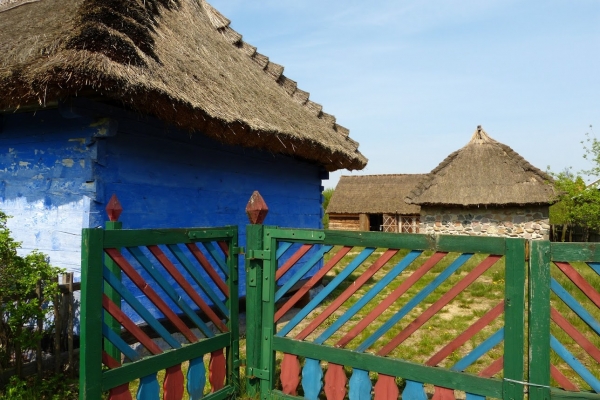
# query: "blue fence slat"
(359, 387)
(178, 253)
(414, 391)
(139, 308)
(119, 343)
(162, 282)
(574, 363)
(426, 291)
(595, 266)
(314, 259)
(312, 376)
(149, 388)
(394, 272)
(282, 248)
(196, 378)
(217, 257)
(479, 351)
(574, 305)
(326, 290)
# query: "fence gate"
(388, 314)
(564, 327)
(165, 280)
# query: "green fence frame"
(261, 267)
(93, 379)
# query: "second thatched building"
(485, 189)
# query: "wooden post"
(257, 211)
(539, 320)
(113, 210)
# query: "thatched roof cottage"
(375, 203)
(160, 102)
(485, 189)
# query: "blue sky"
(413, 79)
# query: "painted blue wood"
(282, 248)
(574, 305)
(196, 378)
(387, 279)
(574, 363)
(312, 376)
(359, 387)
(300, 272)
(426, 291)
(471, 396)
(217, 256)
(140, 309)
(149, 388)
(414, 391)
(595, 266)
(479, 351)
(119, 343)
(335, 282)
(200, 281)
(168, 289)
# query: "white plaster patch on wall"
(53, 230)
(68, 162)
(23, 164)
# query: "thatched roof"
(374, 194)
(176, 59)
(484, 172)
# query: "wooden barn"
(161, 103)
(485, 189)
(374, 203)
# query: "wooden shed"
(485, 189)
(374, 203)
(161, 103)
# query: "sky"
(412, 79)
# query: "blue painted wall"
(58, 173)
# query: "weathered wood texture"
(344, 222)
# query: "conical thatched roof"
(374, 194)
(484, 172)
(176, 59)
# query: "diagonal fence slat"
(208, 268)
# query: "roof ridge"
(480, 136)
(273, 70)
(370, 175)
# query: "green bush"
(20, 307)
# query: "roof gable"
(484, 172)
(176, 59)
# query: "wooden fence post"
(113, 210)
(539, 320)
(256, 211)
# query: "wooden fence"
(59, 347)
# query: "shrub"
(20, 306)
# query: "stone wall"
(529, 222)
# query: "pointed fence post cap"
(256, 209)
(114, 208)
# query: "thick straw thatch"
(374, 194)
(176, 59)
(484, 172)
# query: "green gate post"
(267, 357)
(113, 210)
(539, 320)
(514, 319)
(257, 211)
(233, 351)
(90, 369)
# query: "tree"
(578, 202)
(327, 193)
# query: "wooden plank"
(312, 376)
(359, 386)
(471, 244)
(575, 364)
(91, 305)
(290, 374)
(580, 282)
(570, 252)
(217, 370)
(173, 384)
(574, 305)
(581, 340)
(254, 281)
(208, 268)
(316, 278)
(479, 351)
(393, 367)
(386, 388)
(562, 380)
(111, 293)
(379, 240)
(149, 237)
(389, 300)
(514, 317)
(293, 260)
(439, 304)
(335, 382)
(149, 365)
(557, 394)
(196, 378)
(539, 320)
